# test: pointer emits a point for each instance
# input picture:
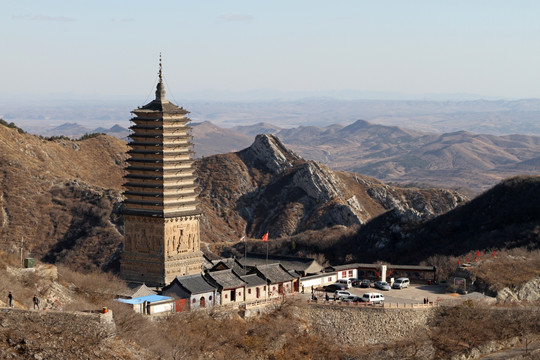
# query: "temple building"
(161, 217)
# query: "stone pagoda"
(161, 218)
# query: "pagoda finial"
(160, 69)
(160, 89)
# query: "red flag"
(265, 237)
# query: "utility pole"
(22, 244)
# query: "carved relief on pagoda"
(143, 235)
(181, 236)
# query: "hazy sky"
(491, 48)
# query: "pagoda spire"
(160, 89)
(160, 69)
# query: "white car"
(374, 298)
(340, 294)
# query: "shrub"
(12, 126)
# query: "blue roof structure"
(142, 299)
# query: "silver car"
(401, 283)
(382, 285)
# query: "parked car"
(346, 282)
(341, 294)
(334, 287)
(352, 298)
(374, 298)
(355, 281)
(382, 285)
(401, 283)
(365, 283)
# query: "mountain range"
(464, 160)
(497, 117)
(60, 201)
(75, 130)
(393, 154)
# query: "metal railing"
(370, 304)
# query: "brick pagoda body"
(161, 217)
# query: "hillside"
(504, 217)
(58, 197)
(210, 139)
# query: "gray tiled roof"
(230, 263)
(253, 280)
(343, 267)
(275, 273)
(195, 284)
(288, 262)
(412, 267)
(207, 263)
(165, 106)
(142, 290)
(226, 279)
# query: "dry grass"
(96, 287)
(509, 268)
(460, 329)
(198, 335)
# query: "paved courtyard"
(414, 294)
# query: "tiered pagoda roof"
(160, 179)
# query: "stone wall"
(365, 325)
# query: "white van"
(373, 298)
(346, 282)
(401, 283)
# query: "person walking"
(10, 298)
(35, 300)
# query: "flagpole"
(245, 254)
(268, 290)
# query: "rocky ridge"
(267, 187)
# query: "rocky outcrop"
(268, 151)
(416, 204)
(317, 182)
(530, 291)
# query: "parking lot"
(414, 294)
